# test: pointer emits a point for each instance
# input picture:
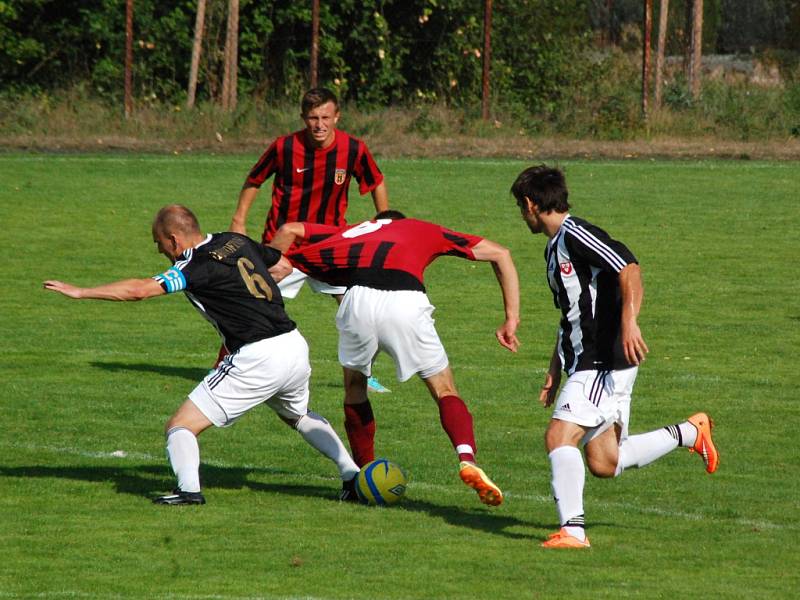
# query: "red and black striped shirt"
(384, 254)
(311, 184)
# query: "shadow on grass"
(191, 373)
(149, 481)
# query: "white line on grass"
(439, 489)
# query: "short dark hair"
(175, 218)
(316, 97)
(394, 215)
(545, 186)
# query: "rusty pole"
(314, 43)
(648, 29)
(128, 58)
(487, 54)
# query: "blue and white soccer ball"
(381, 482)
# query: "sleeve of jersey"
(269, 255)
(265, 166)
(367, 173)
(317, 232)
(172, 280)
(596, 247)
(459, 244)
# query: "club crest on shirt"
(566, 268)
(339, 176)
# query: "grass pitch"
(87, 387)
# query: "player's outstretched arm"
(286, 235)
(121, 291)
(506, 273)
(632, 291)
(246, 198)
(282, 268)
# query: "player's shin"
(569, 476)
(184, 456)
(318, 433)
(359, 423)
(457, 422)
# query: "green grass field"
(87, 387)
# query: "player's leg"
(359, 421)
(695, 433)
(289, 397)
(373, 385)
(568, 478)
(184, 453)
(457, 422)
(358, 345)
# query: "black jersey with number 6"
(226, 279)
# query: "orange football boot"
(561, 539)
(474, 477)
(704, 445)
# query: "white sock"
(569, 475)
(319, 434)
(184, 456)
(640, 450)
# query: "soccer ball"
(381, 482)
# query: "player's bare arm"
(552, 380)
(280, 269)
(506, 273)
(120, 291)
(380, 197)
(246, 198)
(632, 291)
(286, 235)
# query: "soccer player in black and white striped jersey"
(596, 283)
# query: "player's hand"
(238, 227)
(633, 344)
(63, 288)
(547, 394)
(507, 336)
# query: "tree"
(196, 49)
(696, 49)
(230, 80)
(663, 18)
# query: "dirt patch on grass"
(411, 146)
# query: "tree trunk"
(695, 64)
(663, 17)
(230, 76)
(197, 45)
(648, 29)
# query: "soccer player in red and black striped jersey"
(311, 170)
(597, 284)
(381, 262)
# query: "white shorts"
(291, 284)
(597, 400)
(397, 322)
(274, 371)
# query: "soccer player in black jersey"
(225, 276)
(597, 284)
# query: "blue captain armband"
(172, 280)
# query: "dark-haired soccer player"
(386, 308)
(597, 284)
(312, 169)
(225, 276)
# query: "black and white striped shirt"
(583, 264)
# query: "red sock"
(457, 423)
(359, 423)
(223, 352)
